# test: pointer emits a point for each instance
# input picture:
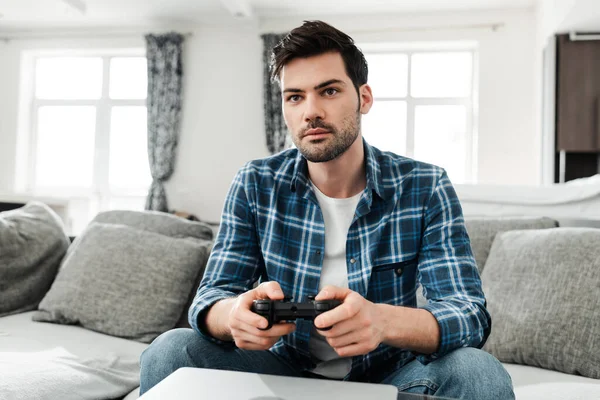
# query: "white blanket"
(51, 361)
(58, 374)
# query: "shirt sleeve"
(235, 263)
(449, 275)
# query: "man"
(340, 218)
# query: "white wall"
(223, 124)
(223, 127)
(9, 83)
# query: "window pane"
(440, 138)
(441, 74)
(128, 78)
(68, 78)
(129, 148)
(65, 146)
(385, 126)
(388, 74)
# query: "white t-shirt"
(337, 215)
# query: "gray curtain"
(164, 109)
(276, 131)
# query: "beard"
(340, 139)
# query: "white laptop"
(199, 383)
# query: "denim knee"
(165, 355)
(169, 348)
(479, 373)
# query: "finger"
(264, 342)
(342, 328)
(348, 309)
(242, 313)
(330, 292)
(242, 344)
(268, 290)
(357, 349)
(354, 337)
(277, 330)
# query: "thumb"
(330, 292)
(269, 290)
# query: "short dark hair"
(313, 38)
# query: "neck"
(344, 176)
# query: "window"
(424, 107)
(88, 136)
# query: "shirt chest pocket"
(394, 283)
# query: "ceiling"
(31, 14)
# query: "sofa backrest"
(482, 232)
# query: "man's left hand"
(358, 326)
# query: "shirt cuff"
(198, 311)
(451, 322)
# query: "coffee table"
(195, 383)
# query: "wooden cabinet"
(577, 106)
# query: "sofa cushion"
(165, 224)
(542, 291)
(124, 281)
(482, 232)
(32, 244)
(525, 375)
(559, 391)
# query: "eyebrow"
(319, 86)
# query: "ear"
(366, 98)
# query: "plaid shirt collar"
(300, 182)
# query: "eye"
(294, 98)
(330, 91)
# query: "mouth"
(316, 133)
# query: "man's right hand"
(244, 324)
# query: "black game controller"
(285, 310)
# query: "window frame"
(100, 193)
(469, 102)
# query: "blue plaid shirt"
(408, 227)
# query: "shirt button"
(399, 271)
(318, 252)
(352, 261)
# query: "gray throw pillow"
(165, 224)
(32, 244)
(124, 281)
(543, 293)
(159, 222)
(482, 232)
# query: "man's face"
(320, 106)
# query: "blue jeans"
(465, 373)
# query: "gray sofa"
(542, 284)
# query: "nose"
(314, 109)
